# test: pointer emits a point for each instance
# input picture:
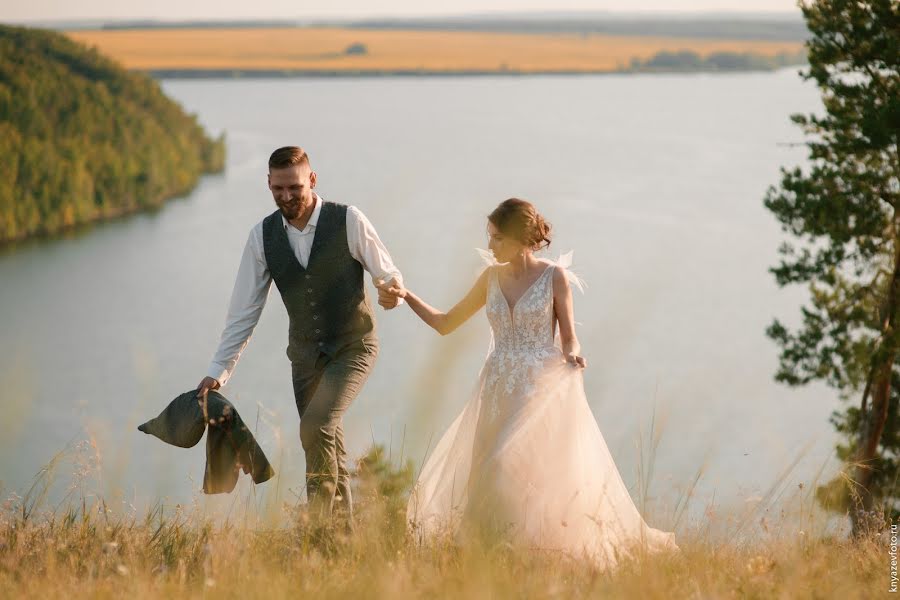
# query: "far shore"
(330, 52)
(275, 74)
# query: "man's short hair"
(288, 156)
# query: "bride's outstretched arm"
(447, 322)
(565, 315)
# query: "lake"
(655, 181)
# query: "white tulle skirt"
(527, 456)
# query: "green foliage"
(687, 60)
(843, 212)
(383, 488)
(376, 473)
(84, 139)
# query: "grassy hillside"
(88, 548)
(83, 139)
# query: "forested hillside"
(82, 139)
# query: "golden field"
(322, 49)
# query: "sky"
(63, 10)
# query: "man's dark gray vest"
(326, 301)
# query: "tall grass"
(80, 547)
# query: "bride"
(525, 459)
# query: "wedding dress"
(526, 455)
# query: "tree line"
(688, 60)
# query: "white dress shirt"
(251, 288)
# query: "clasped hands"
(390, 293)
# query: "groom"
(315, 251)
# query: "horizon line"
(363, 18)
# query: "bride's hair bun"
(520, 220)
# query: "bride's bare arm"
(447, 322)
(565, 315)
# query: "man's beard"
(292, 209)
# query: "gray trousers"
(324, 386)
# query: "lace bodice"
(523, 340)
(527, 327)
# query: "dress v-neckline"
(512, 308)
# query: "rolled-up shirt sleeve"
(368, 249)
(251, 289)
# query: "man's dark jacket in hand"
(230, 446)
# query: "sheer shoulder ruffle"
(563, 260)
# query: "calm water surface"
(656, 182)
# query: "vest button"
(312, 303)
(309, 290)
(318, 331)
(315, 317)
(306, 276)
(321, 343)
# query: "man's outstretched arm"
(251, 289)
(368, 249)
